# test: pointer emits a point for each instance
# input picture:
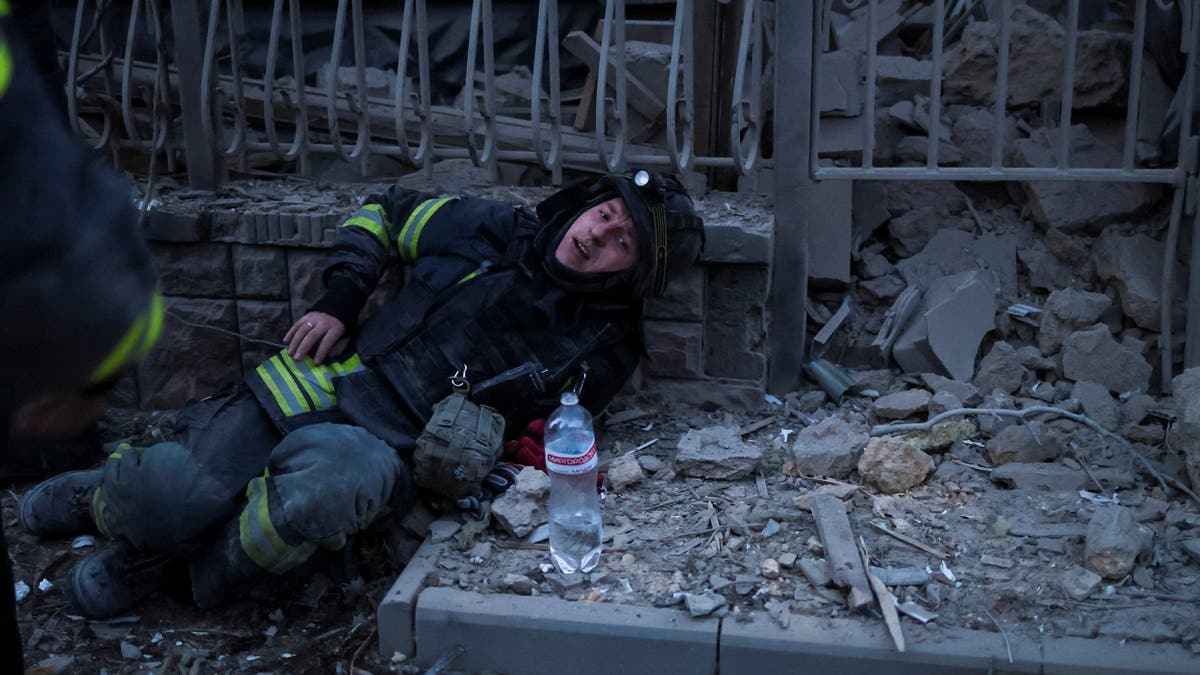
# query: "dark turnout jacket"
(478, 296)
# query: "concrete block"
(709, 394)
(734, 329)
(396, 616)
(262, 232)
(260, 272)
(194, 270)
(830, 231)
(266, 320)
(164, 225)
(852, 647)
(273, 233)
(190, 361)
(675, 348)
(1084, 656)
(304, 278)
(683, 299)
(736, 241)
(516, 634)
(227, 225)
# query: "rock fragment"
(1000, 369)
(1033, 441)
(624, 472)
(1186, 391)
(1092, 355)
(893, 465)
(1113, 542)
(829, 448)
(902, 404)
(1134, 265)
(1078, 582)
(942, 401)
(703, 604)
(1065, 312)
(1098, 404)
(966, 392)
(522, 507)
(716, 452)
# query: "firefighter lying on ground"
(318, 445)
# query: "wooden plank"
(841, 550)
(640, 98)
(587, 101)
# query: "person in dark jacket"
(316, 446)
(76, 282)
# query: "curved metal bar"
(481, 22)
(127, 76)
(679, 108)
(209, 85)
(301, 116)
(614, 32)
(161, 104)
(362, 149)
(331, 85)
(747, 112)
(547, 32)
(421, 107)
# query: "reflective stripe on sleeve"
(372, 219)
(135, 343)
(6, 66)
(406, 241)
(303, 386)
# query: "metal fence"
(198, 84)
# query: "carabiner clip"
(459, 380)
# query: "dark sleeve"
(76, 282)
(406, 225)
(608, 370)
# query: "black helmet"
(670, 234)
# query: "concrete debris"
(651, 464)
(703, 604)
(868, 211)
(1098, 404)
(941, 436)
(1079, 582)
(787, 560)
(1050, 477)
(816, 571)
(915, 150)
(1114, 540)
(973, 133)
(624, 472)
(1033, 441)
(517, 583)
(716, 452)
(892, 465)
(841, 550)
(1036, 62)
(1066, 311)
(902, 404)
(840, 491)
(958, 310)
(901, 576)
(1186, 390)
(1192, 548)
(1134, 266)
(966, 392)
(990, 425)
(1000, 369)
(769, 568)
(523, 506)
(952, 251)
(1078, 206)
(1092, 355)
(829, 448)
(942, 401)
(442, 529)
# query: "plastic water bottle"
(574, 503)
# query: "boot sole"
(25, 517)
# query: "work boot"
(221, 571)
(60, 506)
(115, 579)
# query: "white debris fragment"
(772, 399)
(286, 655)
(252, 657)
(784, 433)
(545, 568)
(772, 528)
(21, 590)
(946, 572)
(157, 638)
(45, 585)
(1099, 499)
(271, 631)
(83, 541)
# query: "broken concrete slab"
(1033, 441)
(839, 83)
(911, 231)
(716, 452)
(841, 550)
(1098, 404)
(523, 506)
(958, 310)
(952, 251)
(1050, 477)
(966, 392)
(1000, 369)
(868, 211)
(1114, 540)
(1066, 311)
(1185, 389)
(1075, 206)
(1134, 265)
(892, 465)
(1092, 355)
(902, 404)
(829, 448)
(829, 231)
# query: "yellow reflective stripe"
(284, 404)
(121, 353)
(99, 506)
(155, 327)
(370, 226)
(411, 232)
(319, 373)
(4, 8)
(348, 366)
(318, 395)
(281, 370)
(469, 277)
(261, 540)
(6, 65)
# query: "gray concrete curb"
(516, 634)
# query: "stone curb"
(517, 634)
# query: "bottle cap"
(569, 398)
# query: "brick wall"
(253, 273)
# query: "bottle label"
(572, 464)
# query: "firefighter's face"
(602, 239)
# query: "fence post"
(794, 26)
(206, 170)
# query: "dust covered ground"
(704, 546)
